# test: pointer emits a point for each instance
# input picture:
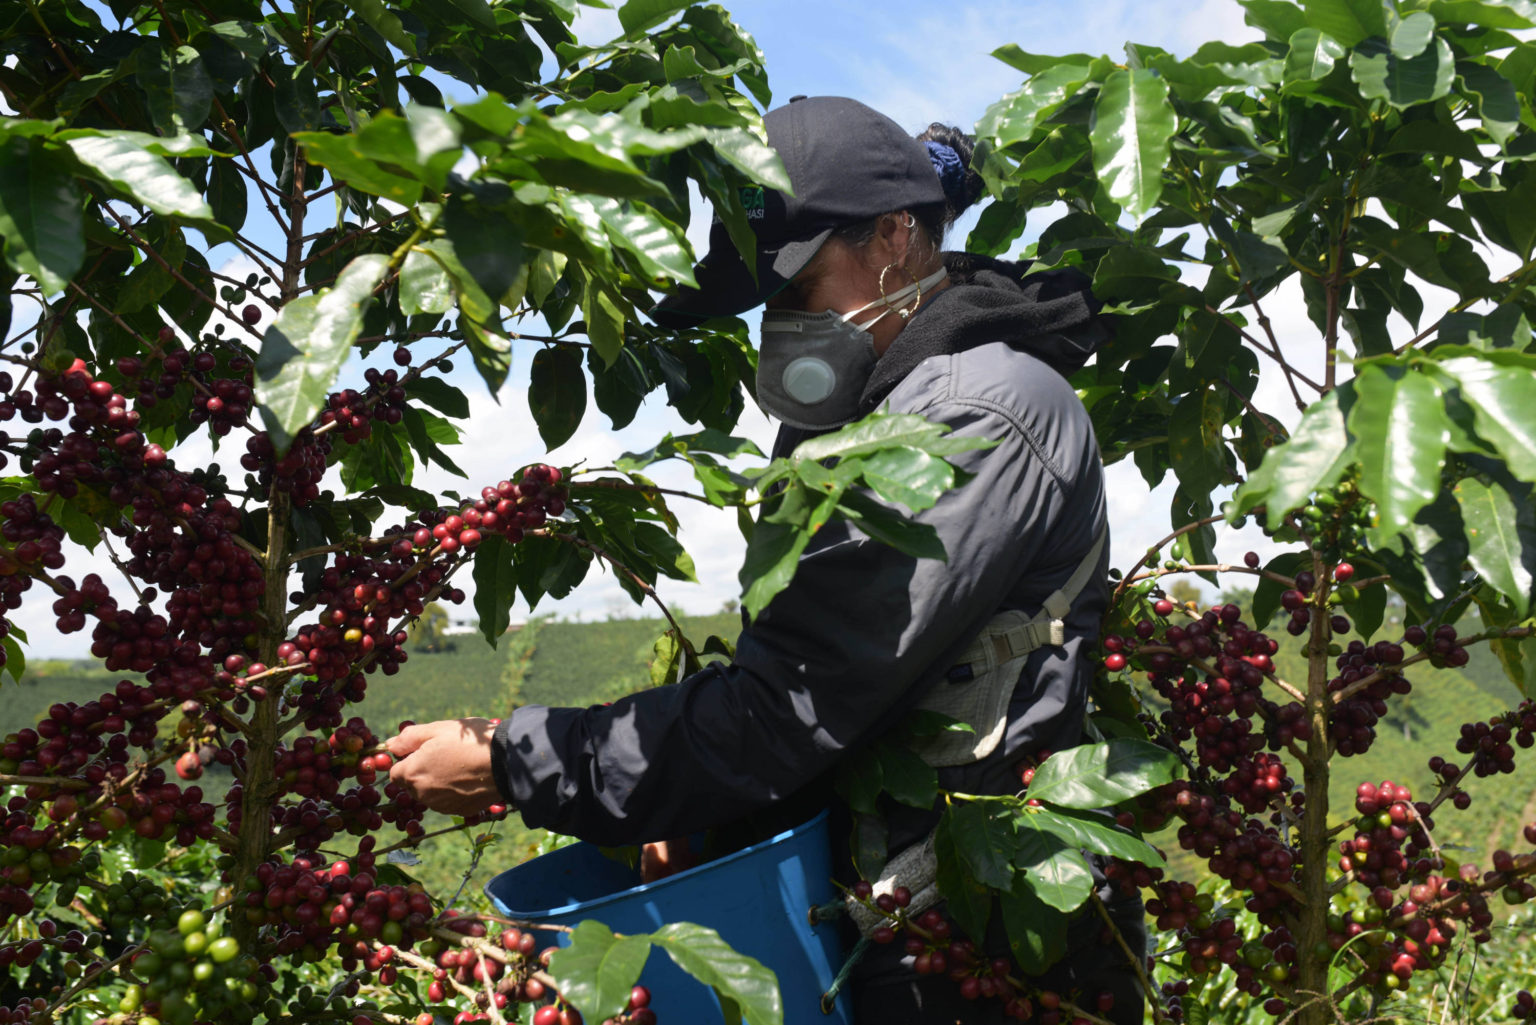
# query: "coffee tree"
(389, 231)
(1367, 164)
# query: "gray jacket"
(863, 632)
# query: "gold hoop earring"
(916, 301)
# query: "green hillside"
(545, 662)
(580, 664)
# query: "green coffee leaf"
(428, 433)
(1090, 832)
(495, 576)
(177, 89)
(909, 476)
(1098, 775)
(1410, 36)
(1382, 75)
(886, 430)
(140, 176)
(1498, 103)
(440, 395)
(226, 194)
(1487, 13)
(425, 285)
(1313, 458)
(557, 393)
(1312, 56)
(40, 215)
(751, 156)
(386, 23)
(1500, 398)
(985, 837)
(666, 659)
(340, 155)
(1348, 21)
(745, 987)
(1133, 122)
(665, 550)
(639, 16)
(598, 969)
(1037, 932)
(488, 244)
(908, 778)
(970, 901)
(1501, 540)
(307, 344)
(1278, 19)
(1058, 875)
(1400, 432)
(1013, 118)
(477, 11)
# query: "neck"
(885, 332)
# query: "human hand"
(446, 765)
(664, 858)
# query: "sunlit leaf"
(1400, 431)
(1133, 122)
(1097, 775)
(304, 348)
(598, 969)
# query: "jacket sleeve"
(830, 664)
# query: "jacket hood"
(1052, 315)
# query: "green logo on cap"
(754, 201)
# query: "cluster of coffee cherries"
(1211, 940)
(179, 538)
(1352, 722)
(1253, 856)
(509, 509)
(1388, 837)
(315, 773)
(934, 945)
(26, 952)
(1298, 600)
(297, 472)
(1491, 744)
(348, 413)
(33, 541)
(191, 633)
(503, 969)
(1211, 672)
(309, 905)
(25, 1012)
(221, 400)
(191, 972)
(353, 411)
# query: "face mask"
(812, 367)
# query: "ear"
(895, 236)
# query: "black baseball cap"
(846, 162)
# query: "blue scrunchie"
(950, 169)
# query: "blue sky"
(916, 62)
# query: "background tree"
(427, 631)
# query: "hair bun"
(951, 151)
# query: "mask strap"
(893, 301)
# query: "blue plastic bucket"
(758, 899)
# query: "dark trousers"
(886, 991)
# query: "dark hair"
(962, 187)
